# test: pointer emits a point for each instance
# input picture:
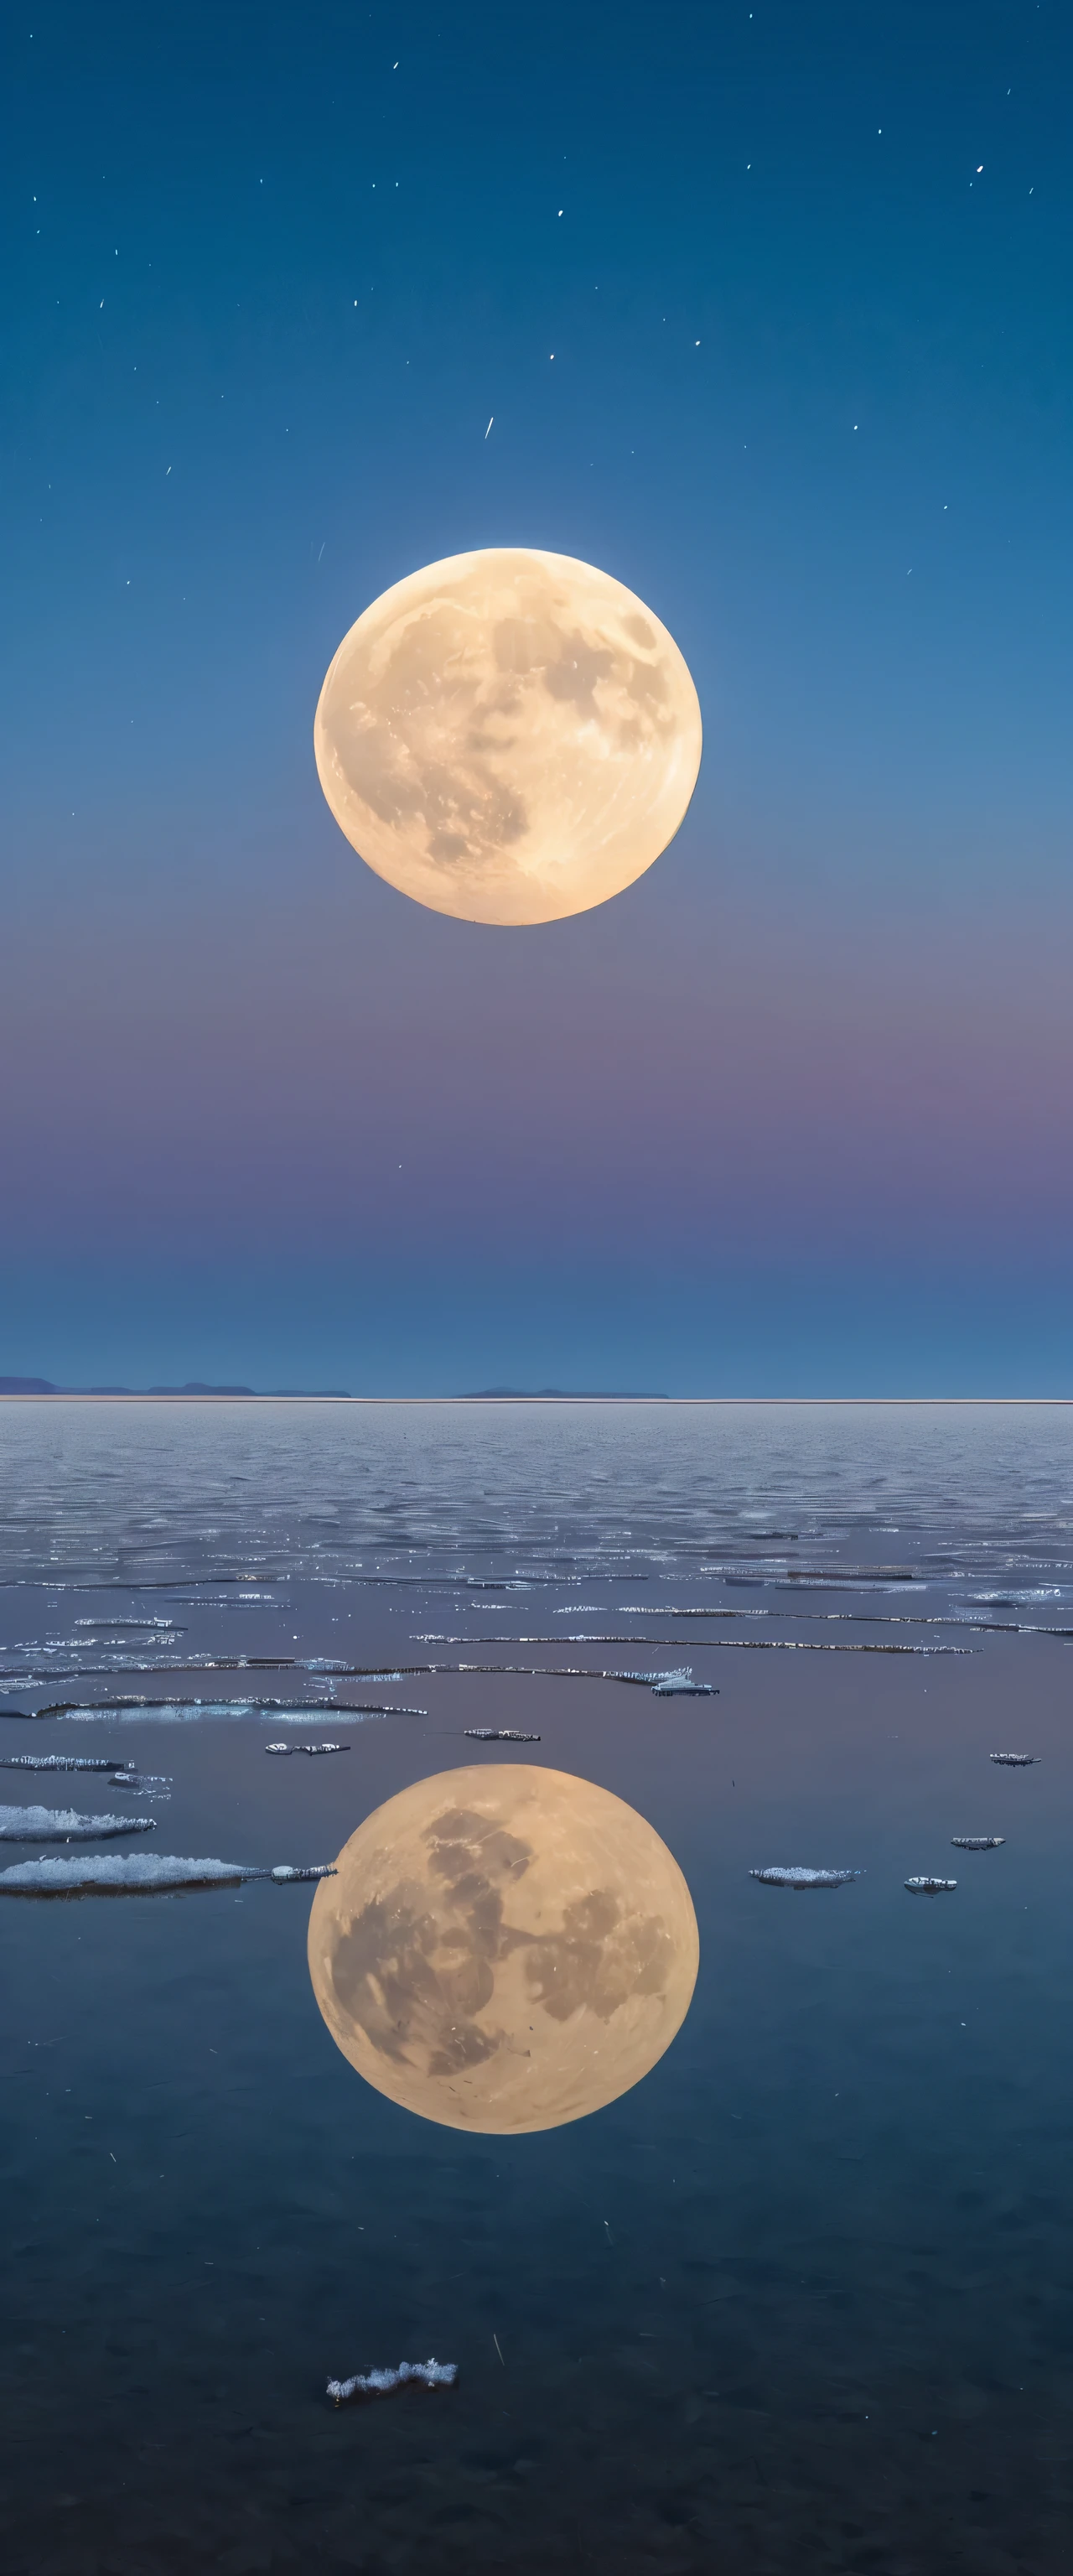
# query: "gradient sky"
(792, 1115)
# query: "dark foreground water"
(802, 2300)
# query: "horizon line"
(74, 1395)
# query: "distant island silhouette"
(193, 1386)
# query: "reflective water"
(799, 2301)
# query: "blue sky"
(793, 1114)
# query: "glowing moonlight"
(508, 736)
(504, 1948)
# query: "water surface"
(801, 2301)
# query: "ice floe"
(307, 1748)
(931, 1886)
(61, 1762)
(976, 1842)
(650, 1681)
(63, 1825)
(99, 1625)
(383, 2383)
(500, 1735)
(800, 1878)
(179, 1712)
(716, 1645)
(138, 1874)
(1015, 1761)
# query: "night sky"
(770, 311)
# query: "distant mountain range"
(194, 1386)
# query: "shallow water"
(801, 2300)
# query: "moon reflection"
(504, 1948)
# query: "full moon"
(504, 1948)
(508, 736)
